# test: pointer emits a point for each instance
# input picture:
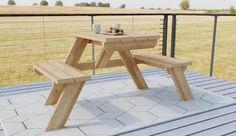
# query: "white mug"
(96, 28)
(116, 26)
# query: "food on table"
(115, 30)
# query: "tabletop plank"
(117, 38)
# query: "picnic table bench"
(68, 80)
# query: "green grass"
(27, 40)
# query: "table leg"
(64, 106)
(103, 58)
(133, 69)
(73, 58)
(181, 83)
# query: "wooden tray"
(113, 34)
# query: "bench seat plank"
(161, 61)
(173, 66)
(60, 73)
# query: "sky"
(173, 4)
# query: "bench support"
(181, 82)
(73, 58)
(64, 105)
(133, 69)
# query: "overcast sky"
(199, 4)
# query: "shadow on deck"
(110, 104)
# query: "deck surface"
(217, 92)
(217, 122)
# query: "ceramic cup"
(116, 26)
(96, 28)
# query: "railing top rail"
(113, 14)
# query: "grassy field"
(27, 40)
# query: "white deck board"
(190, 124)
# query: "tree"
(122, 6)
(35, 4)
(11, 2)
(232, 10)
(184, 4)
(100, 4)
(59, 3)
(82, 4)
(93, 4)
(142, 8)
(44, 3)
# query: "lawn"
(27, 40)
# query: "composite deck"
(215, 85)
(217, 122)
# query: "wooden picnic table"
(123, 44)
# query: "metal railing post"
(164, 35)
(93, 47)
(213, 46)
(173, 36)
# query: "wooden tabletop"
(117, 38)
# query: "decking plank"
(207, 82)
(227, 92)
(201, 126)
(233, 133)
(182, 121)
(217, 84)
(223, 88)
(232, 95)
(219, 130)
(198, 80)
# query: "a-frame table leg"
(103, 58)
(72, 59)
(133, 69)
(64, 106)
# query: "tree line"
(60, 3)
(184, 5)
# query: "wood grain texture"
(160, 61)
(60, 73)
(73, 57)
(181, 83)
(76, 51)
(118, 38)
(64, 106)
(130, 45)
(91, 65)
(133, 69)
(175, 67)
(103, 58)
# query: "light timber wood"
(65, 105)
(130, 45)
(68, 80)
(86, 66)
(133, 69)
(75, 73)
(160, 61)
(115, 63)
(60, 73)
(118, 38)
(76, 51)
(55, 95)
(73, 57)
(175, 67)
(181, 83)
(91, 65)
(103, 58)
(54, 74)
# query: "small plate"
(113, 33)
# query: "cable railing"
(29, 38)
